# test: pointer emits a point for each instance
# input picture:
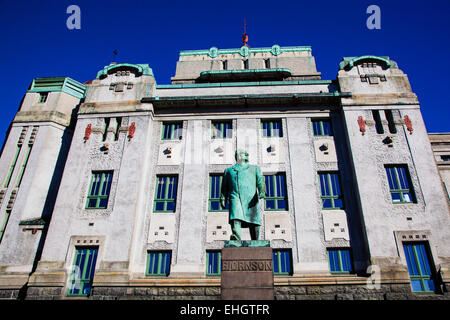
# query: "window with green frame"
(4, 223)
(271, 128)
(83, 270)
(330, 190)
(321, 127)
(158, 263)
(43, 97)
(400, 184)
(99, 190)
(276, 196)
(281, 259)
(339, 260)
(172, 130)
(165, 194)
(215, 184)
(13, 165)
(221, 129)
(213, 262)
(24, 165)
(420, 267)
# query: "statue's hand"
(261, 195)
(222, 200)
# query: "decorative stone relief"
(325, 150)
(120, 86)
(276, 50)
(170, 153)
(335, 225)
(244, 51)
(412, 235)
(369, 73)
(2, 195)
(217, 227)
(162, 228)
(362, 125)
(213, 51)
(87, 132)
(131, 131)
(272, 150)
(221, 151)
(277, 226)
(408, 124)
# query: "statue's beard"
(242, 160)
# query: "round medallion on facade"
(244, 51)
(276, 50)
(213, 52)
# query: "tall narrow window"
(83, 270)
(400, 184)
(165, 194)
(105, 129)
(215, 183)
(421, 271)
(13, 165)
(158, 263)
(377, 119)
(246, 64)
(281, 259)
(276, 196)
(213, 263)
(390, 120)
(225, 64)
(99, 190)
(321, 127)
(24, 165)
(118, 124)
(267, 63)
(271, 128)
(330, 190)
(221, 129)
(172, 130)
(339, 260)
(43, 97)
(4, 223)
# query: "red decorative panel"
(362, 125)
(131, 130)
(87, 132)
(408, 124)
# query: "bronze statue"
(242, 186)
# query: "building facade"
(110, 189)
(440, 143)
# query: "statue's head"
(241, 156)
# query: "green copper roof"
(243, 84)
(350, 61)
(142, 69)
(63, 84)
(244, 51)
(244, 74)
(284, 70)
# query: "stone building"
(440, 144)
(110, 189)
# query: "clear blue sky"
(36, 42)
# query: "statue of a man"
(242, 186)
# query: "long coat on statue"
(241, 185)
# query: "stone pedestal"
(247, 272)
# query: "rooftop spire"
(245, 36)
